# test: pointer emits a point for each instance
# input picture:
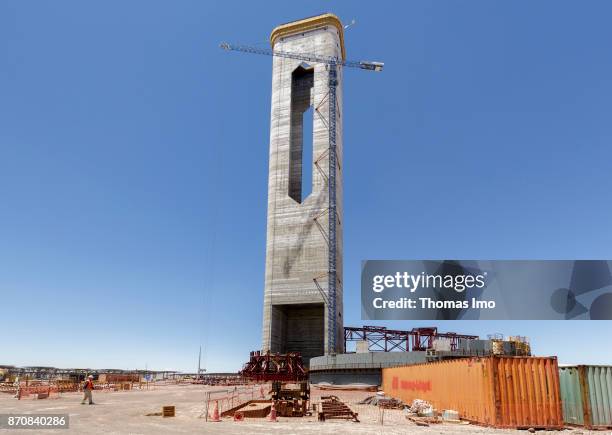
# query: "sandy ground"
(124, 413)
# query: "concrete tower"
(295, 315)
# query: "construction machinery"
(291, 399)
(274, 367)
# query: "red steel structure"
(274, 367)
(381, 339)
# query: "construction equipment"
(291, 399)
(333, 64)
(334, 408)
(274, 367)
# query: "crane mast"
(333, 64)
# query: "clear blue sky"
(134, 153)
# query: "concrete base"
(366, 368)
(346, 377)
(359, 368)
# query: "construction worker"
(87, 390)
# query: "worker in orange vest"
(87, 389)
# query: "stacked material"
(508, 392)
(332, 407)
(422, 413)
(168, 411)
(421, 407)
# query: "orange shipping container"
(499, 391)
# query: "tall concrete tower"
(296, 317)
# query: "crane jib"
(329, 60)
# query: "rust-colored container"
(498, 391)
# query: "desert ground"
(125, 412)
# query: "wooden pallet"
(168, 411)
(334, 408)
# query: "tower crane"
(333, 64)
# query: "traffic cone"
(215, 415)
(272, 415)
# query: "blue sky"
(133, 165)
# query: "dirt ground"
(124, 413)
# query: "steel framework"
(381, 339)
(274, 367)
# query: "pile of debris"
(421, 408)
(383, 401)
(422, 413)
